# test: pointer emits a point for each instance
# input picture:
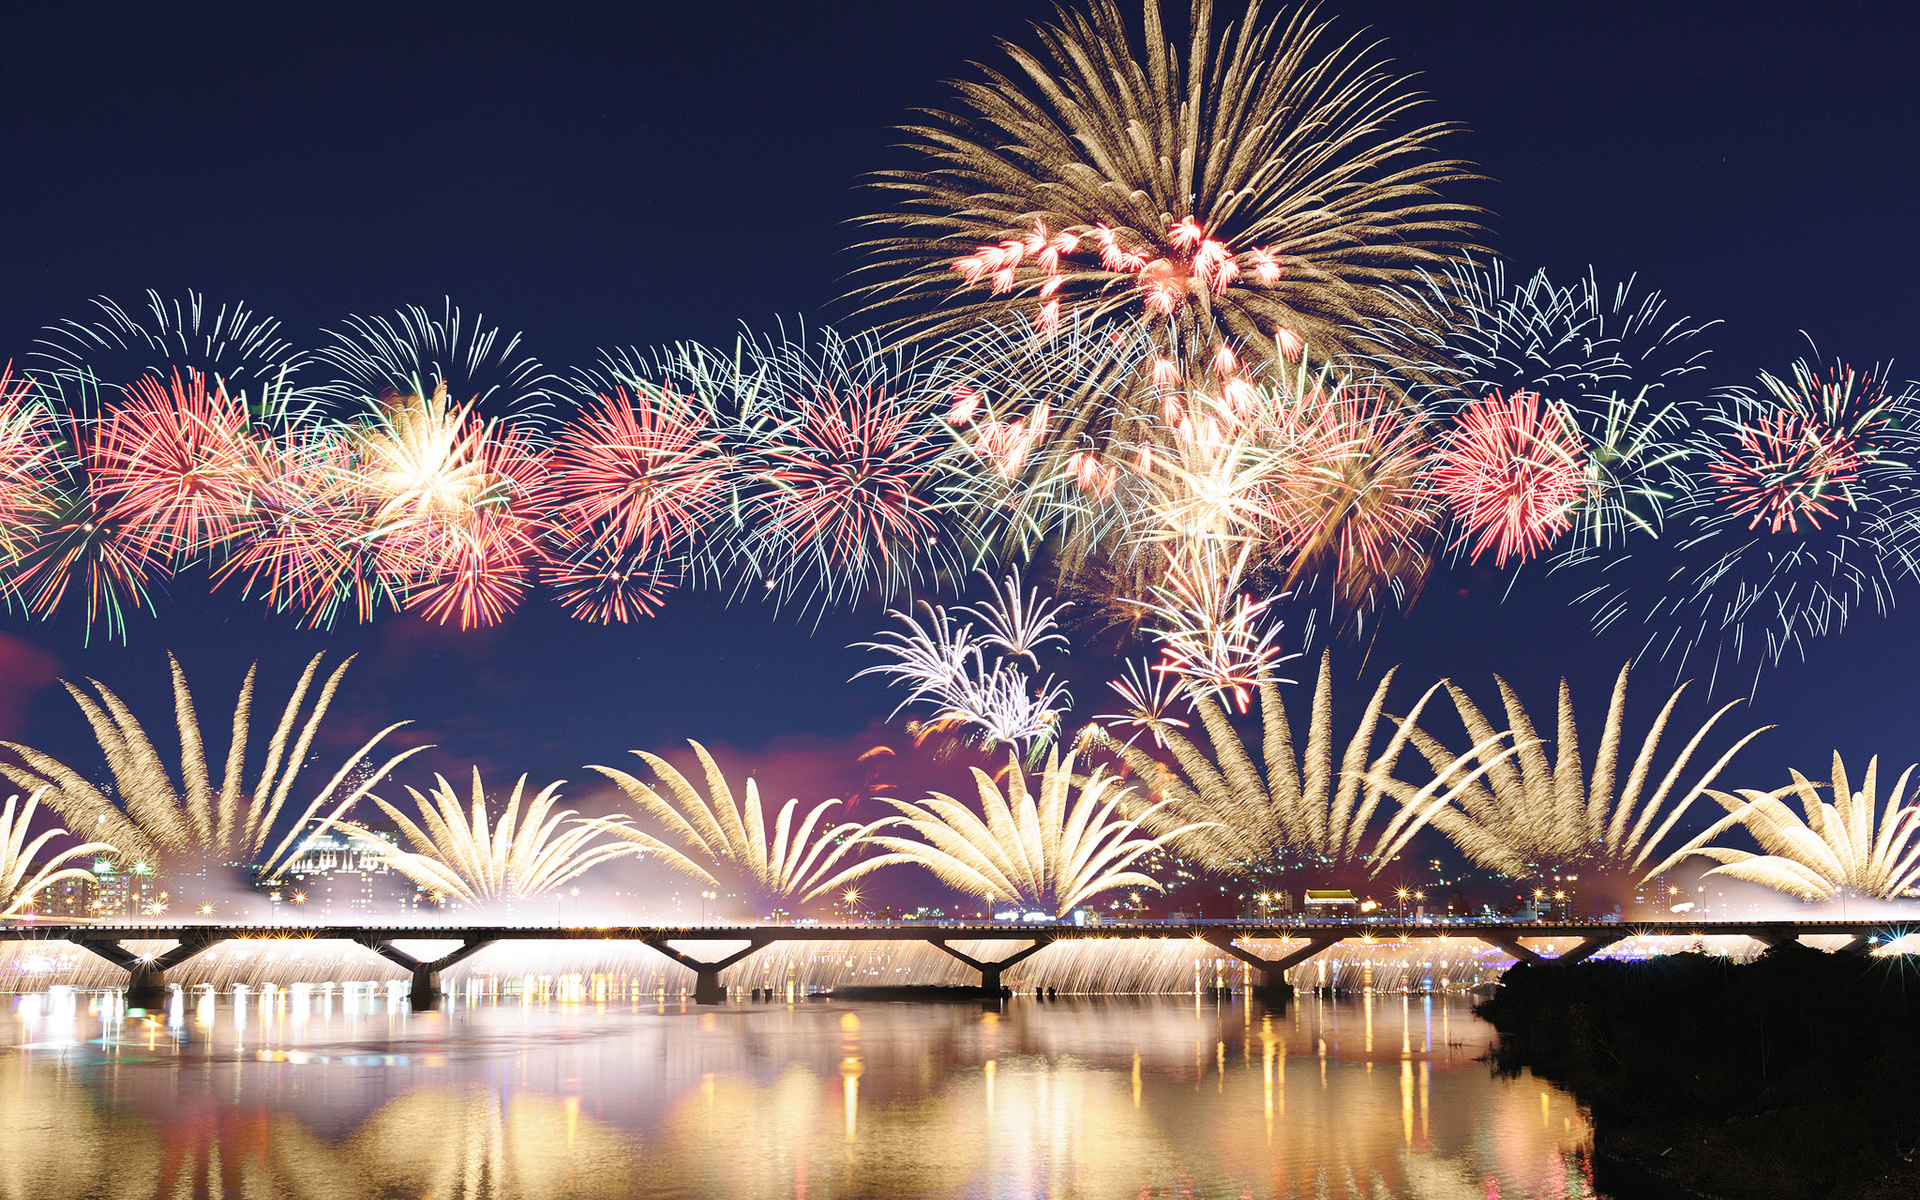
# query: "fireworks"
(18, 856)
(1512, 472)
(1801, 461)
(1242, 814)
(1533, 815)
(1246, 189)
(413, 353)
(1772, 547)
(1212, 635)
(229, 343)
(1037, 852)
(730, 837)
(1851, 845)
(460, 853)
(144, 811)
(948, 665)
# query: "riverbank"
(1792, 1077)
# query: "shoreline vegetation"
(1795, 1076)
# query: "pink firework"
(479, 572)
(1512, 472)
(1357, 505)
(1788, 467)
(847, 481)
(1165, 277)
(645, 470)
(307, 546)
(172, 464)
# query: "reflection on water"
(337, 1092)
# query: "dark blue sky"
(631, 174)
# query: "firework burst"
(1512, 471)
(1612, 361)
(1035, 851)
(730, 838)
(461, 853)
(1771, 548)
(948, 666)
(1248, 188)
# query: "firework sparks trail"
(948, 665)
(722, 837)
(1849, 846)
(1512, 471)
(414, 353)
(461, 853)
(1036, 851)
(1214, 637)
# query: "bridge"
(147, 986)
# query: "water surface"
(340, 1092)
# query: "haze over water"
(327, 1092)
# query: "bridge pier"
(990, 971)
(1590, 945)
(1274, 970)
(425, 995)
(146, 977)
(706, 975)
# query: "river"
(338, 1091)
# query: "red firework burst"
(172, 464)
(645, 470)
(1788, 467)
(1352, 501)
(847, 478)
(1512, 472)
(307, 546)
(457, 524)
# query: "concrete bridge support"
(1274, 970)
(425, 995)
(706, 975)
(146, 977)
(990, 971)
(1590, 945)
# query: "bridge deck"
(146, 973)
(913, 931)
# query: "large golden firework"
(1851, 845)
(1291, 807)
(726, 838)
(462, 854)
(1258, 187)
(223, 822)
(1534, 814)
(1036, 851)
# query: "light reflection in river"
(333, 1092)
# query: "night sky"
(631, 174)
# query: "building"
(339, 875)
